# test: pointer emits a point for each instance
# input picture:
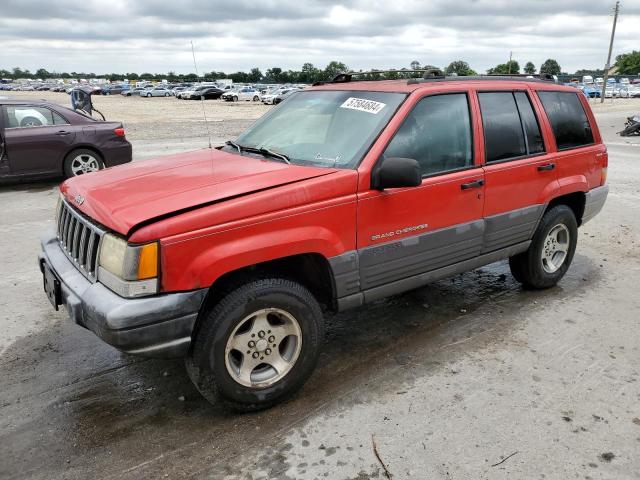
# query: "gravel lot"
(470, 377)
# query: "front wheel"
(551, 251)
(235, 99)
(258, 345)
(256, 98)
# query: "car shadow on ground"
(71, 401)
(8, 186)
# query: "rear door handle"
(476, 184)
(62, 133)
(548, 166)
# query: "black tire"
(206, 361)
(528, 268)
(68, 160)
(234, 98)
(256, 98)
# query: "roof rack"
(436, 75)
(348, 76)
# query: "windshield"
(323, 128)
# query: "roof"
(19, 101)
(449, 83)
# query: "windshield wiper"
(233, 144)
(262, 151)
(281, 156)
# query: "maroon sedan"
(41, 139)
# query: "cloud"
(155, 35)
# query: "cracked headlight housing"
(129, 270)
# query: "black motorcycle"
(631, 126)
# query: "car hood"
(126, 196)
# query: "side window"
(437, 133)
(568, 119)
(24, 116)
(503, 135)
(59, 119)
(532, 135)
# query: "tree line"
(626, 64)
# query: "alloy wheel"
(555, 248)
(84, 163)
(263, 347)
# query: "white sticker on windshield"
(363, 105)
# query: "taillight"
(119, 132)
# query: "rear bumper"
(158, 326)
(594, 202)
(117, 154)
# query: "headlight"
(128, 270)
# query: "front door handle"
(475, 184)
(62, 133)
(548, 166)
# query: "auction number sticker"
(363, 105)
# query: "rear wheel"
(256, 98)
(30, 122)
(551, 251)
(81, 161)
(258, 345)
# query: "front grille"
(80, 240)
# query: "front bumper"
(157, 326)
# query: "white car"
(634, 90)
(269, 98)
(246, 93)
(156, 92)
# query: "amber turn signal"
(148, 261)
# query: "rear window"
(568, 119)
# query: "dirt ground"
(468, 378)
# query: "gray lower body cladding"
(157, 326)
(393, 267)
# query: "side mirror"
(396, 172)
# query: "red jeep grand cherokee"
(345, 193)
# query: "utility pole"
(510, 56)
(608, 64)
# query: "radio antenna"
(204, 112)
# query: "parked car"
(42, 139)
(159, 91)
(346, 193)
(114, 89)
(194, 93)
(634, 90)
(591, 91)
(269, 97)
(282, 96)
(246, 93)
(133, 92)
(208, 93)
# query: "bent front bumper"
(157, 326)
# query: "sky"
(155, 35)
